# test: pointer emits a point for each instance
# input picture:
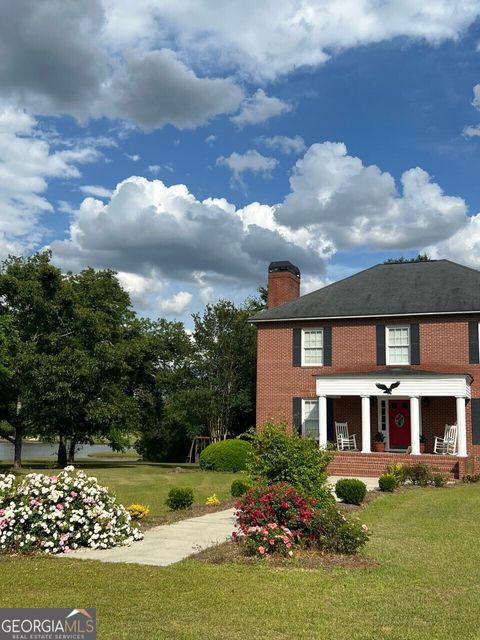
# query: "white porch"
(413, 385)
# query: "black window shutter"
(475, 408)
(330, 429)
(327, 347)
(414, 343)
(297, 414)
(381, 344)
(473, 342)
(297, 347)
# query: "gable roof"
(412, 288)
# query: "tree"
(421, 257)
(225, 351)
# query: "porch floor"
(356, 463)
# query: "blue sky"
(187, 145)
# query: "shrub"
(280, 504)
(419, 474)
(396, 469)
(61, 512)
(239, 488)
(332, 531)
(228, 455)
(471, 477)
(277, 519)
(387, 482)
(212, 501)
(179, 498)
(138, 511)
(439, 480)
(351, 490)
(279, 456)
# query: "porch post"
(415, 424)
(366, 446)
(322, 422)
(462, 427)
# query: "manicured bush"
(138, 511)
(179, 498)
(279, 456)
(264, 541)
(419, 474)
(396, 469)
(59, 513)
(279, 503)
(351, 490)
(239, 488)
(335, 532)
(387, 482)
(439, 480)
(228, 455)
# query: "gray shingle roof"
(436, 286)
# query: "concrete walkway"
(166, 544)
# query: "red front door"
(399, 423)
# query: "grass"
(149, 483)
(425, 586)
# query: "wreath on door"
(399, 420)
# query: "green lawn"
(426, 585)
(149, 483)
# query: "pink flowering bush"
(277, 519)
(60, 513)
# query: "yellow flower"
(212, 501)
(138, 511)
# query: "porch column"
(462, 427)
(322, 422)
(366, 446)
(415, 424)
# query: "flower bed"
(278, 520)
(60, 513)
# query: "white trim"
(388, 315)
(388, 346)
(430, 386)
(302, 360)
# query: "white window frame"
(304, 401)
(312, 364)
(387, 345)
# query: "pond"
(36, 450)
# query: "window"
(398, 345)
(310, 418)
(312, 347)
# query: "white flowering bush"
(60, 513)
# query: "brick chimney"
(283, 283)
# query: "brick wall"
(443, 348)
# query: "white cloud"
(463, 246)
(471, 131)
(273, 37)
(476, 96)
(134, 158)
(337, 196)
(155, 169)
(210, 139)
(285, 144)
(251, 161)
(259, 108)
(177, 304)
(95, 190)
(27, 162)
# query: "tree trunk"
(62, 452)
(17, 457)
(71, 451)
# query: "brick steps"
(373, 464)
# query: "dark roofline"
(255, 320)
(394, 372)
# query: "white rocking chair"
(345, 442)
(448, 444)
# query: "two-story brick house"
(321, 356)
